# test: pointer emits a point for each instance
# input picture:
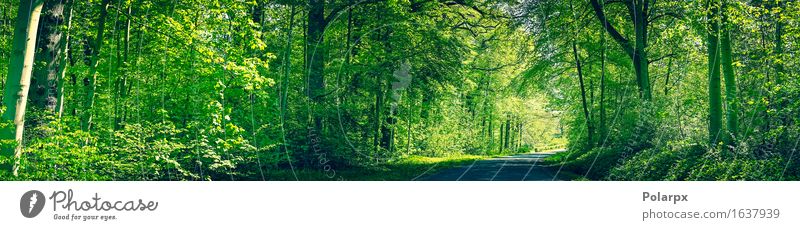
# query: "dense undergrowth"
(678, 162)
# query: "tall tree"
(502, 136)
(50, 54)
(726, 61)
(316, 53)
(507, 131)
(639, 12)
(577, 58)
(315, 58)
(714, 94)
(88, 106)
(287, 70)
(18, 80)
(65, 41)
(603, 129)
(779, 31)
(121, 84)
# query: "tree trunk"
(388, 133)
(86, 120)
(519, 135)
(315, 60)
(50, 52)
(348, 39)
(589, 128)
(490, 128)
(18, 80)
(502, 136)
(287, 69)
(730, 81)
(780, 100)
(779, 44)
(640, 50)
(512, 134)
(64, 60)
(378, 114)
(666, 79)
(408, 127)
(508, 131)
(603, 129)
(638, 11)
(714, 97)
(121, 87)
(287, 64)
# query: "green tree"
(18, 80)
(726, 61)
(714, 88)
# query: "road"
(523, 167)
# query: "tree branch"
(661, 58)
(462, 3)
(624, 43)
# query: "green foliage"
(595, 163)
(658, 164)
(63, 155)
(717, 168)
(694, 163)
(657, 139)
(193, 90)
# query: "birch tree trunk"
(18, 79)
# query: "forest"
(200, 90)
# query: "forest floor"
(522, 167)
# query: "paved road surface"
(523, 167)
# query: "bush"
(64, 155)
(743, 168)
(695, 163)
(596, 163)
(563, 157)
(658, 164)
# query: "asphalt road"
(523, 167)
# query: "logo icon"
(31, 203)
